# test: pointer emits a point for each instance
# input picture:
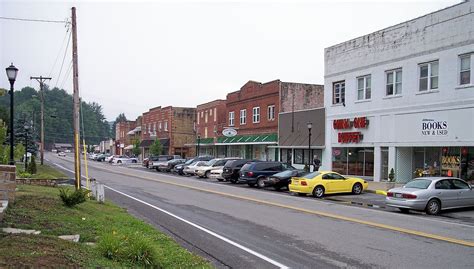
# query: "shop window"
(384, 154)
(286, 155)
(467, 164)
(353, 161)
(299, 156)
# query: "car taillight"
(250, 174)
(390, 194)
(408, 196)
(303, 183)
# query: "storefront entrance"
(353, 161)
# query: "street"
(248, 228)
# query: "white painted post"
(100, 193)
(377, 164)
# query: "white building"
(403, 98)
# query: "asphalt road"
(248, 228)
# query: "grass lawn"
(43, 171)
(40, 208)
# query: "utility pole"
(41, 81)
(75, 82)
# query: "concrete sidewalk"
(382, 187)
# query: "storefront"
(255, 147)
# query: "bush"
(75, 198)
(134, 249)
(23, 174)
(32, 166)
(391, 176)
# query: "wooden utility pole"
(41, 81)
(75, 82)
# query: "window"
(363, 88)
(205, 118)
(458, 184)
(198, 118)
(144, 129)
(210, 112)
(339, 92)
(256, 114)
(205, 132)
(215, 114)
(271, 112)
(166, 126)
(443, 185)
(159, 126)
(231, 118)
(429, 76)
(154, 127)
(394, 82)
(465, 73)
(243, 116)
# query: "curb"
(379, 192)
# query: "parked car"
(190, 170)
(110, 158)
(281, 180)
(61, 154)
(147, 161)
(255, 171)
(122, 159)
(431, 194)
(162, 159)
(216, 174)
(214, 164)
(231, 169)
(102, 157)
(168, 165)
(180, 167)
(320, 183)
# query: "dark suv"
(231, 170)
(254, 171)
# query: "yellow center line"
(313, 212)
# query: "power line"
(59, 53)
(66, 76)
(32, 20)
(64, 57)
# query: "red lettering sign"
(342, 124)
(361, 122)
(349, 137)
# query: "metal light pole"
(12, 71)
(310, 126)
(26, 145)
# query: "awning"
(165, 142)
(128, 147)
(248, 139)
(209, 140)
(131, 132)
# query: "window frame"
(165, 126)
(271, 112)
(341, 94)
(429, 77)
(469, 71)
(232, 119)
(243, 117)
(394, 83)
(364, 78)
(256, 114)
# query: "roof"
(248, 139)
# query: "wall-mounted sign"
(229, 132)
(349, 137)
(431, 127)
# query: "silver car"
(431, 194)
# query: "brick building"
(122, 138)
(173, 126)
(210, 121)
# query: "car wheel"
(134, 161)
(433, 207)
(220, 179)
(261, 182)
(251, 184)
(357, 188)
(277, 188)
(404, 210)
(206, 175)
(157, 170)
(318, 192)
(119, 161)
(233, 181)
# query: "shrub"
(391, 175)
(23, 174)
(74, 198)
(133, 249)
(32, 166)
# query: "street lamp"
(12, 71)
(26, 145)
(310, 126)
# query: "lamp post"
(12, 71)
(199, 144)
(26, 145)
(310, 126)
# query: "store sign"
(344, 124)
(349, 137)
(449, 162)
(229, 132)
(431, 127)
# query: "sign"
(359, 122)
(229, 132)
(431, 127)
(349, 137)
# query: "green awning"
(208, 140)
(249, 139)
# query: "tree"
(136, 147)
(32, 166)
(3, 148)
(120, 118)
(156, 148)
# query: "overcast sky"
(137, 55)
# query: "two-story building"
(210, 121)
(122, 140)
(403, 98)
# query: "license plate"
(295, 182)
(398, 195)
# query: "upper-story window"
(154, 127)
(256, 114)
(339, 92)
(198, 118)
(231, 118)
(210, 112)
(364, 87)
(429, 76)
(144, 129)
(394, 82)
(215, 114)
(465, 70)
(243, 116)
(166, 126)
(159, 126)
(206, 116)
(271, 112)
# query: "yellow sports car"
(320, 183)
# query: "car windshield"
(312, 175)
(189, 161)
(418, 184)
(163, 159)
(288, 167)
(287, 173)
(211, 162)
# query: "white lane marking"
(261, 256)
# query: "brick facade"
(211, 118)
(299, 96)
